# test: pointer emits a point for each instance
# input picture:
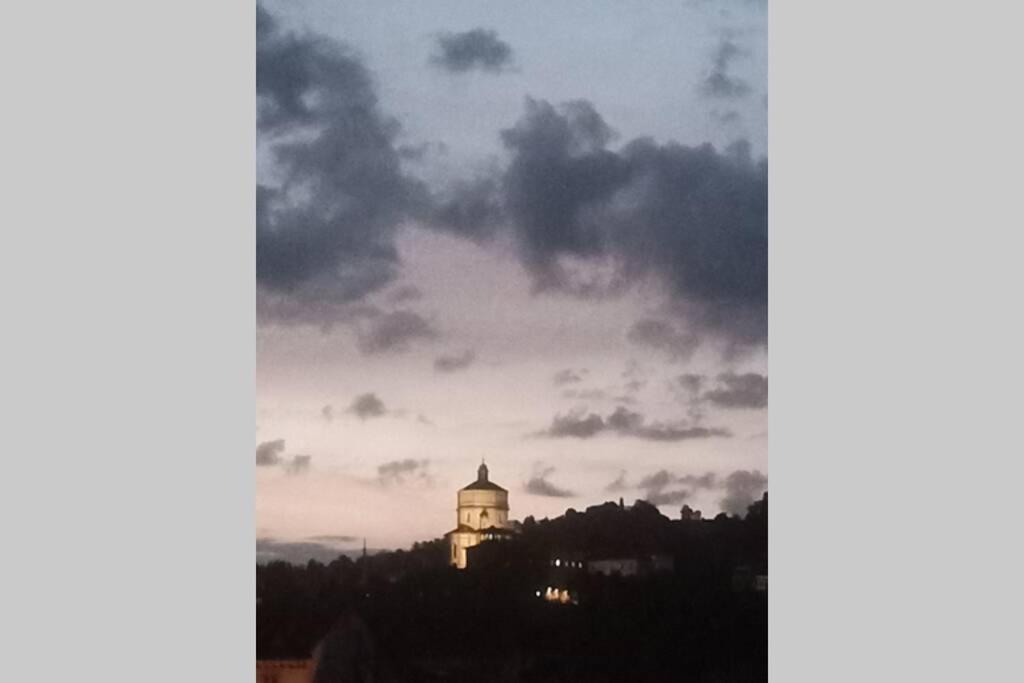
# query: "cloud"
(539, 485)
(341, 539)
(398, 471)
(393, 332)
(619, 484)
(576, 425)
(629, 423)
(718, 83)
(298, 465)
(568, 376)
(453, 363)
(367, 406)
(471, 209)
(690, 383)
(663, 336)
(742, 489)
(405, 293)
(476, 49)
(585, 219)
(327, 413)
(691, 218)
(331, 192)
(269, 453)
(657, 489)
(749, 390)
(704, 481)
(625, 422)
(726, 117)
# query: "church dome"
(482, 483)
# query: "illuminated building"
(482, 515)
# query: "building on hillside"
(642, 565)
(482, 515)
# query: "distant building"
(482, 515)
(622, 566)
(632, 566)
(745, 579)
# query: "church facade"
(482, 515)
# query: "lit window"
(557, 562)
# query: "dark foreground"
(702, 621)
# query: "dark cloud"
(749, 390)
(298, 464)
(726, 117)
(618, 485)
(393, 332)
(471, 209)
(656, 492)
(576, 425)
(568, 376)
(476, 49)
(539, 485)
(334, 539)
(332, 193)
(634, 382)
(691, 217)
(664, 336)
(742, 489)
(422, 150)
(718, 83)
(366, 406)
(663, 487)
(331, 190)
(690, 383)
(629, 423)
(656, 481)
(269, 453)
(625, 422)
(398, 471)
(703, 481)
(404, 294)
(454, 362)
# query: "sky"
(533, 233)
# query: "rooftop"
(482, 483)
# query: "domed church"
(482, 516)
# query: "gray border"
(128, 351)
(894, 330)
